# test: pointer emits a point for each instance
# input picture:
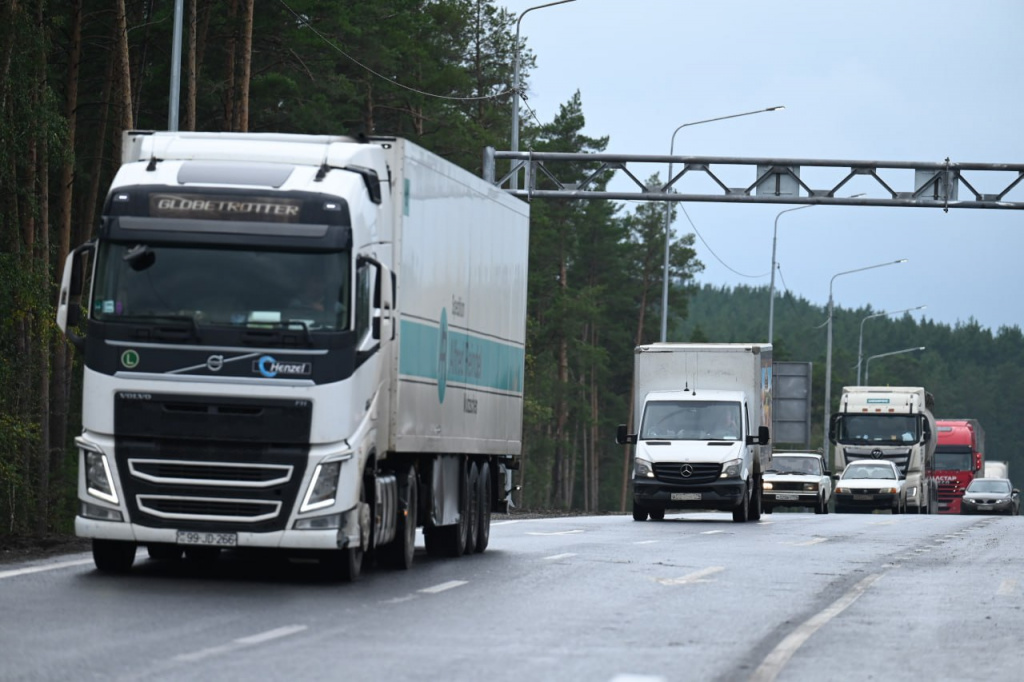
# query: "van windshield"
(692, 420)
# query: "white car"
(797, 479)
(869, 484)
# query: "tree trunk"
(242, 106)
(191, 75)
(229, 66)
(41, 258)
(124, 75)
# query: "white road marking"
(808, 543)
(645, 542)
(241, 643)
(47, 567)
(504, 523)
(555, 557)
(780, 655)
(559, 532)
(443, 586)
(630, 677)
(696, 577)
(1007, 588)
(711, 532)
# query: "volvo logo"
(876, 454)
(686, 470)
(215, 363)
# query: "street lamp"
(771, 282)
(867, 366)
(668, 207)
(828, 352)
(860, 343)
(515, 85)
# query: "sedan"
(869, 484)
(991, 496)
(797, 479)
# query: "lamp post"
(867, 366)
(828, 352)
(860, 342)
(668, 209)
(771, 281)
(515, 85)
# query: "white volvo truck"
(705, 412)
(307, 343)
(893, 423)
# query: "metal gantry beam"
(768, 180)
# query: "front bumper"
(721, 496)
(791, 498)
(866, 500)
(999, 507)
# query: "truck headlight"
(642, 469)
(323, 488)
(98, 481)
(732, 468)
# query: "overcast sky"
(886, 80)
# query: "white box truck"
(307, 343)
(704, 410)
(997, 469)
(893, 423)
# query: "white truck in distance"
(308, 343)
(704, 412)
(893, 423)
(997, 469)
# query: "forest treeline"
(75, 73)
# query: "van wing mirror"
(623, 437)
(763, 435)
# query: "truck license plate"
(685, 496)
(190, 537)
(786, 497)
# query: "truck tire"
(346, 564)
(741, 514)
(483, 533)
(472, 507)
(398, 554)
(450, 541)
(639, 513)
(113, 556)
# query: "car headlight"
(323, 487)
(811, 487)
(732, 468)
(842, 490)
(98, 481)
(890, 491)
(768, 485)
(968, 500)
(642, 469)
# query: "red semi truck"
(959, 458)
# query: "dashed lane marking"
(555, 557)
(443, 586)
(240, 643)
(696, 577)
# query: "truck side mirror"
(69, 311)
(384, 303)
(622, 437)
(833, 423)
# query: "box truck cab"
(704, 412)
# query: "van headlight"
(642, 469)
(732, 468)
(98, 481)
(323, 488)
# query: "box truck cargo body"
(307, 343)
(704, 414)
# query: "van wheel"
(639, 513)
(741, 513)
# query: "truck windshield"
(221, 286)
(954, 460)
(691, 420)
(879, 428)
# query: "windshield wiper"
(193, 326)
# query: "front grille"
(209, 509)
(687, 474)
(210, 473)
(786, 486)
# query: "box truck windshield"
(691, 420)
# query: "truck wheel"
(472, 508)
(639, 513)
(483, 517)
(741, 513)
(346, 564)
(657, 514)
(113, 556)
(398, 553)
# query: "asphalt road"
(794, 597)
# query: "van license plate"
(685, 496)
(189, 537)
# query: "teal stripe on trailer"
(469, 360)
